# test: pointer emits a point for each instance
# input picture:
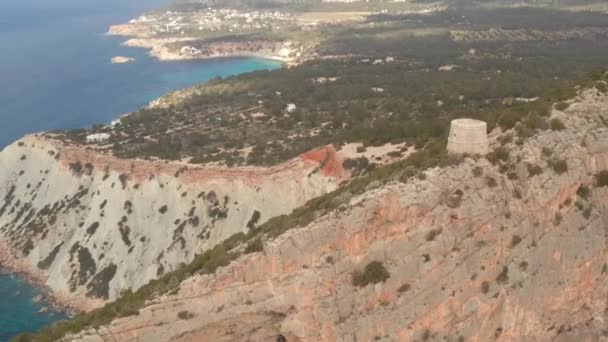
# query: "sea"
(55, 73)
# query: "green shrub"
(76, 168)
(499, 154)
(587, 213)
(557, 220)
(403, 288)
(394, 154)
(431, 235)
(557, 125)
(508, 119)
(601, 87)
(515, 240)
(491, 182)
(583, 192)
(185, 315)
(561, 106)
(505, 139)
(534, 170)
(477, 171)
(601, 178)
(503, 276)
(254, 246)
(560, 166)
(24, 337)
(374, 273)
(485, 287)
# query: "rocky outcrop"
(89, 225)
(122, 60)
(473, 254)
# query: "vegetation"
(485, 287)
(534, 170)
(374, 273)
(602, 178)
(560, 166)
(557, 125)
(583, 192)
(215, 122)
(515, 240)
(185, 315)
(220, 121)
(503, 276)
(255, 246)
(562, 106)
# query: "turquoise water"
(18, 310)
(55, 72)
(55, 69)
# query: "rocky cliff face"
(473, 254)
(90, 226)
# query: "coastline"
(11, 265)
(66, 303)
(157, 49)
(286, 52)
(19, 267)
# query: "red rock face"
(328, 160)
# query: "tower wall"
(468, 136)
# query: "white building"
(97, 137)
(291, 108)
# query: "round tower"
(468, 136)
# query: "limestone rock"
(89, 225)
(521, 261)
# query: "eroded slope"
(475, 251)
(89, 225)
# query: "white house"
(97, 137)
(291, 108)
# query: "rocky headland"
(88, 226)
(205, 34)
(469, 252)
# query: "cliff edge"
(90, 226)
(510, 250)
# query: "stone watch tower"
(468, 136)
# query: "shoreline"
(46, 294)
(157, 49)
(20, 268)
(72, 304)
(287, 52)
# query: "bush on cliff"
(255, 246)
(557, 125)
(561, 106)
(559, 166)
(602, 178)
(373, 273)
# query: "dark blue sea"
(55, 72)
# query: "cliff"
(89, 226)
(474, 251)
